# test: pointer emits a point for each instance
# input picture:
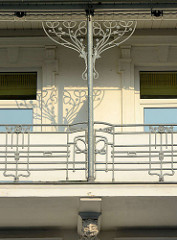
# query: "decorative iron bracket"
(73, 35)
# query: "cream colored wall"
(107, 92)
(64, 94)
(119, 101)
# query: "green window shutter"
(18, 86)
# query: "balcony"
(58, 153)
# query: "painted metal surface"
(91, 145)
(44, 153)
(105, 35)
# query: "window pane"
(160, 116)
(15, 116)
(18, 86)
(158, 85)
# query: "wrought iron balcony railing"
(56, 153)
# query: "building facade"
(82, 161)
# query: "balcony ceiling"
(34, 23)
(82, 4)
(41, 10)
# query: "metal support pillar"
(90, 98)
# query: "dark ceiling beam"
(80, 6)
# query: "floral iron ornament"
(73, 35)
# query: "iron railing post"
(90, 98)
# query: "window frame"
(17, 104)
(25, 96)
(140, 104)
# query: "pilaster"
(49, 96)
(127, 84)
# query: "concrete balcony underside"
(127, 206)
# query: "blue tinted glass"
(15, 116)
(160, 116)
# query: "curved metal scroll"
(163, 138)
(15, 140)
(72, 34)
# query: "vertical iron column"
(90, 98)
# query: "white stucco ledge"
(87, 190)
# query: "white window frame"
(140, 104)
(18, 104)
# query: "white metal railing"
(136, 152)
(56, 153)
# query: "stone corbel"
(90, 226)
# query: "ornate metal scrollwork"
(101, 144)
(16, 140)
(72, 34)
(163, 166)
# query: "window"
(18, 86)
(15, 116)
(158, 85)
(160, 116)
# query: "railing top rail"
(134, 125)
(44, 125)
(85, 123)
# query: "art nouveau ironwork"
(17, 139)
(161, 140)
(122, 153)
(90, 39)
(72, 34)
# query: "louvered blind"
(158, 85)
(18, 86)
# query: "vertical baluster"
(86, 155)
(11, 140)
(28, 153)
(172, 151)
(113, 166)
(95, 153)
(150, 165)
(106, 148)
(6, 154)
(161, 159)
(16, 158)
(74, 155)
(67, 158)
(166, 140)
(23, 132)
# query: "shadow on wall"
(43, 107)
(75, 104)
